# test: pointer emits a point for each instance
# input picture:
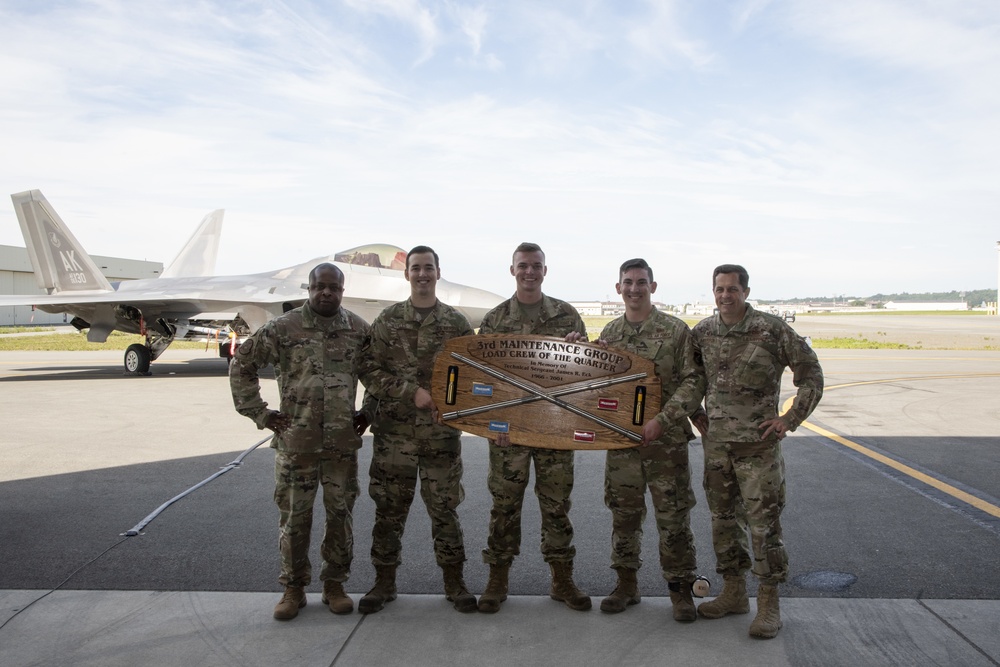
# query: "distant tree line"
(973, 297)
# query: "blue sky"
(846, 147)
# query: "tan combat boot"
(680, 596)
(455, 590)
(564, 590)
(382, 592)
(496, 589)
(293, 600)
(335, 597)
(626, 592)
(732, 600)
(768, 620)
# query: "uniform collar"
(310, 320)
(739, 326)
(546, 310)
(410, 311)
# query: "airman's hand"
(700, 421)
(776, 427)
(652, 430)
(503, 440)
(278, 421)
(423, 400)
(360, 423)
(575, 337)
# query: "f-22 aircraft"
(186, 302)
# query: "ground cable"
(235, 463)
(137, 529)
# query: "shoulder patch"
(247, 346)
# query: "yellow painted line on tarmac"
(944, 487)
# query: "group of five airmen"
(733, 360)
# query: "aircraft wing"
(256, 298)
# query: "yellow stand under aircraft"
(188, 303)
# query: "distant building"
(698, 309)
(592, 308)
(605, 308)
(18, 277)
(704, 309)
(926, 305)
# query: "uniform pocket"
(758, 369)
(302, 437)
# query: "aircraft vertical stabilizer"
(61, 264)
(197, 258)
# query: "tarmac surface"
(955, 331)
(892, 526)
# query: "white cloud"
(600, 132)
(472, 23)
(658, 35)
(414, 13)
(746, 11)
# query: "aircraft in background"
(187, 302)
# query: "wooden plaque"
(545, 392)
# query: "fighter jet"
(186, 302)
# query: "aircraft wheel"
(137, 359)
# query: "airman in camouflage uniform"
(531, 312)
(661, 461)
(745, 353)
(408, 441)
(316, 353)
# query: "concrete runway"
(893, 491)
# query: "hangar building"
(18, 277)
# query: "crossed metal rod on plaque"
(550, 397)
(598, 384)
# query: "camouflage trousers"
(397, 461)
(508, 478)
(664, 469)
(297, 477)
(745, 490)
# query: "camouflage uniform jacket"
(666, 341)
(555, 318)
(743, 368)
(399, 358)
(316, 365)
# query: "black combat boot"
(382, 592)
(564, 590)
(455, 590)
(680, 596)
(496, 589)
(626, 592)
